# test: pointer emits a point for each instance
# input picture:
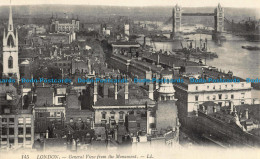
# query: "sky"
(183, 3)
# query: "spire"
(10, 24)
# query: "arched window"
(10, 41)
(10, 62)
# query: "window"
(4, 139)
(207, 87)
(103, 115)
(52, 114)
(242, 95)
(226, 96)
(121, 116)
(220, 103)
(4, 120)
(196, 98)
(20, 131)
(138, 125)
(11, 140)
(40, 115)
(232, 96)
(232, 85)
(208, 98)
(20, 121)
(196, 87)
(214, 87)
(28, 120)
(28, 130)
(20, 140)
(243, 84)
(4, 131)
(220, 96)
(162, 98)
(225, 86)
(58, 114)
(10, 62)
(11, 120)
(214, 97)
(61, 99)
(11, 131)
(28, 138)
(168, 98)
(112, 117)
(219, 86)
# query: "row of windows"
(20, 140)
(20, 120)
(220, 86)
(112, 116)
(167, 98)
(219, 97)
(10, 131)
(60, 64)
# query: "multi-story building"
(17, 129)
(64, 25)
(49, 109)
(200, 88)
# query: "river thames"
(231, 55)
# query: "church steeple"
(10, 24)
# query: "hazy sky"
(183, 3)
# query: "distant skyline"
(136, 3)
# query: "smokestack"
(246, 113)
(126, 90)
(116, 91)
(231, 107)
(156, 83)
(53, 96)
(158, 59)
(95, 92)
(144, 41)
(47, 134)
(151, 91)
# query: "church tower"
(10, 50)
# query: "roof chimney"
(126, 90)
(246, 113)
(95, 92)
(151, 90)
(116, 91)
(231, 107)
(47, 134)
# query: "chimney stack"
(246, 113)
(95, 92)
(231, 107)
(151, 90)
(116, 91)
(126, 90)
(47, 134)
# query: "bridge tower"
(219, 19)
(176, 23)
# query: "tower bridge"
(177, 15)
